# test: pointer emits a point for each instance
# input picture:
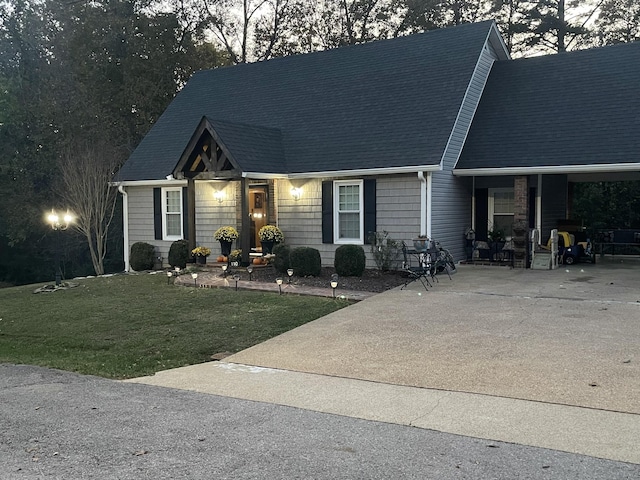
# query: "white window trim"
(491, 206)
(165, 236)
(336, 213)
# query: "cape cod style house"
(429, 134)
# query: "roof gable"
(564, 112)
(385, 104)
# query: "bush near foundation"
(142, 256)
(282, 261)
(179, 254)
(305, 261)
(350, 261)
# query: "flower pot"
(200, 260)
(225, 248)
(421, 244)
(267, 246)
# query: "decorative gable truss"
(206, 157)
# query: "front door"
(258, 211)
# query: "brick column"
(521, 199)
(520, 232)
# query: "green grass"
(133, 325)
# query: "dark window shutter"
(185, 213)
(369, 209)
(327, 211)
(482, 213)
(157, 213)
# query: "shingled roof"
(385, 104)
(571, 112)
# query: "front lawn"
(132, 325)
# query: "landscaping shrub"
(305, 261)
(142, 256)
(384, 249)
(179, 253)
(282, 261)
(350, 261)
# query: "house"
(426, 134)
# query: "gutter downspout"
(425, 203)
(125, 226)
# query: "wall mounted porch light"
(296, 193)
(219, 195)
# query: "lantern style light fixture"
(279, 282)
(290, 273)
(296, 193)
(219, 195)
(195, 279)
(59, 224)
(250, 271)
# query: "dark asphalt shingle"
(383, 104)
(577, 108)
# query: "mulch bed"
(371, 281)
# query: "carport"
(545, 124)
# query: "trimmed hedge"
(282, 261)
(305, 261)
(179, 254)
(142, 256)
(350, 261)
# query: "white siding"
(211, 214)
(397, 207)
(141, 221)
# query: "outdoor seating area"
(425, 261)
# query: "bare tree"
(86, 170)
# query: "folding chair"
(419, 272)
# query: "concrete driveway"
(544, 358)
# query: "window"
(501, 208)
(348, 209)
(172, 213)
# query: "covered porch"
(222, 187)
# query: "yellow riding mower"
(571, 252)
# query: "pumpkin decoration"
(221, 258)
(257, 261)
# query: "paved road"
(58, 425)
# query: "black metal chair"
(420, 271)
(442, 261)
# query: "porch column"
(520, 220)
(191, 213)
(245, 225)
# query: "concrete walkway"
(541, 358)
